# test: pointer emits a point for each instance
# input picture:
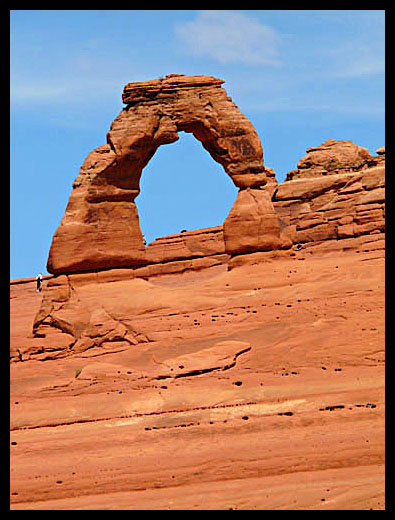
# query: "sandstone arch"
(100, 228)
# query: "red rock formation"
(100, 228)
(187, 245)
(231, 370)
(313, 206)
(331, 157)
(252, 224)
(337, 192)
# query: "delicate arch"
(100, 228)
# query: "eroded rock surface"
(252, 224)
(258, 387)
(337, 192)
(333, 157)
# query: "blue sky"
(301, 77)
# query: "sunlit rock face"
(338, 191)
(100, 228)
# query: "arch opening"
(183, 189)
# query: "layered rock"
(100, 228)
(262, 387)
(187, 245)
(338, 191)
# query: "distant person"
(39, 279)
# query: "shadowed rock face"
(100, 228)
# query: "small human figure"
(39, 279)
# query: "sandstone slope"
(261, 387)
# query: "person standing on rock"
(39, 279)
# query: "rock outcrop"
(335, 196)
(252, 224)
(200, 243)
(330, 158)
(338, 191)
(100, 228)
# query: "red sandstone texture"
(235, 367)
